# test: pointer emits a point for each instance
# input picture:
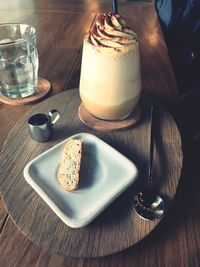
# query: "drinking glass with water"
(18, 60)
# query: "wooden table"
(60, 28)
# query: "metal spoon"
(147, 203)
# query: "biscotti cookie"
(69, 170)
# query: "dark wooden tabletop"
(61, 25)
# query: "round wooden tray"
(118, 227)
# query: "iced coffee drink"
(110, 82)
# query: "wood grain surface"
(175, 241)
(118, 227)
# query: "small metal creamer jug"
(41, 125)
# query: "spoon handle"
(150, 173)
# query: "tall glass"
(18, 60)
(110, 81)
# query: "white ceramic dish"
(105, 174)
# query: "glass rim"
(22, 40)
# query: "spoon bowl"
(149, 208)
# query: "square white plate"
(105, 174)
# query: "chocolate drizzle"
(110, 30)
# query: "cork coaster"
(44, 87)
(108, 126)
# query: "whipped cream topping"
(110, 30)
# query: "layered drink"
(110, 81)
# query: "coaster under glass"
(107, 126)
(44, 87)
